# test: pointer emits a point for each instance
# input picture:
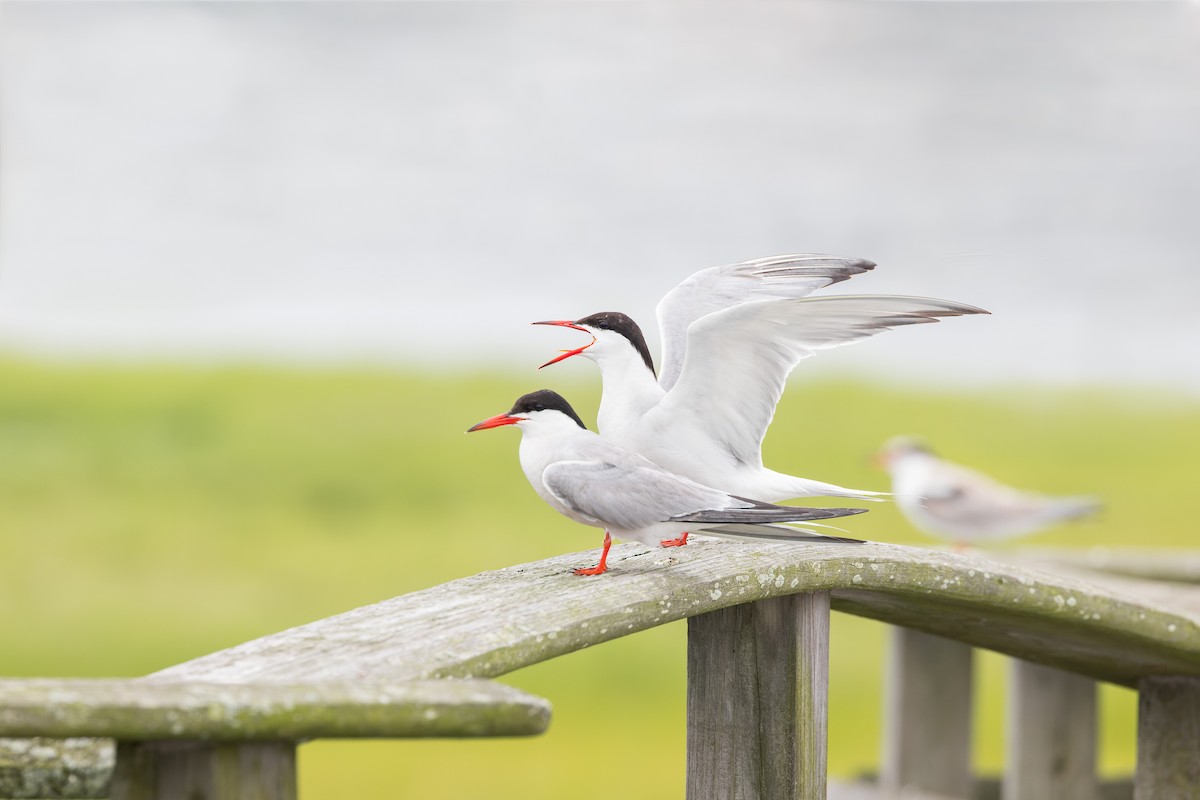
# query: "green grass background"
(153, 514)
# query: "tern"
(731, 335)
(953, 502)
(595, 482)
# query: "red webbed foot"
(680, 542)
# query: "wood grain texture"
(757, 700)
(1168, 760)
(1051, 747)
(185, 770)
(143, 710)
(927, 716)
(495, 622)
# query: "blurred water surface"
(414, 182)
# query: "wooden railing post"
(927, 716)
(1051, 749)
(1168, 748)
(168, 770)
(758, 682)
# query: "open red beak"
(566, 323)
(494, 422)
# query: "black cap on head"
(622, 324)
(545, 400)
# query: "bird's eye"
(539, 407)
(603, 326)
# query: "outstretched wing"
(738, 359)
(717, 288)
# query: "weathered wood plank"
(499, 621)
(205, 771)
(1051, 747)
(141, 710)
(71, 769)
(985, 789)
(1177, 596)
(1182, 566)
(1168, 759)
(757, 700)
(927, 716)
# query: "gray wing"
(627, 496)
(738, 359)
(633, 497)
(776, 533)
(964, 499)
(716, 288)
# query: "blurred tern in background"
(731, 335)
(956, 503)
(598, 483)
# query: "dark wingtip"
(844, 539)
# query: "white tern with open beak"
(731, 335)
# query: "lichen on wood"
(61, 768)
(132, 709)
(496, 622)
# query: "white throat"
(629, 391)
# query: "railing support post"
(1051, 749)
(205, 771)
(1168, 748)
(758, 683)
(927, 716)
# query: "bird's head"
(899, 447)
(541, 408)
(612, 333)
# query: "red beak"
(566, 323)
(494, 422)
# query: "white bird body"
(731, 336)
(638, 414)
(596, 482)
(957, 503)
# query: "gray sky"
(415, 182)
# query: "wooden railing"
(226, 725)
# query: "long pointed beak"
(494, 422)
(566, 323)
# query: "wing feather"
(738, 359)
(628, 497)
(717, 288)
(960, 498)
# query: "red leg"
(603, 565)
(680, 542)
